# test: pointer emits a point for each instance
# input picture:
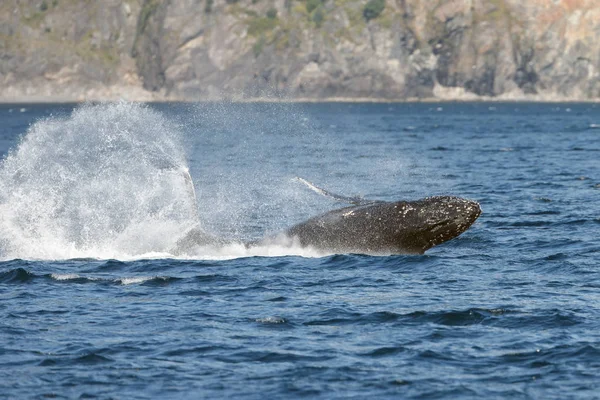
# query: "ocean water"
(93, 304)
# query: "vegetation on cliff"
(394, 49)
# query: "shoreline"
(340, 100)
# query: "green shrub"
(258, 46)
(318, 17)
(44, 6)
(208, 7)
(260, 25)
(272, 13)
(311, 5)
(373, 8)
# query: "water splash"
(112, 181)
(109, 181)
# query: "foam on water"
(64, 277)
(239, 250)
(134, 280)
(106, 182)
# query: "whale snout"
(457, 211)
(464, 210)
(447, 217)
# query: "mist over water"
(251, 153)
(107, 181)
(243, 188)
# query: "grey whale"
(367, 227)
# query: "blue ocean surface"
(94, 305)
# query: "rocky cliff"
(307, 49)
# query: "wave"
(497, 317)
(556, 355)
(472, 316)
(85, 359)
(18, 275)
(22, 276)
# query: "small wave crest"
(157, 280)
(64, 277)
(17, 275)
(134, 280)
(271, 320)
(472, 316)
(21, 275)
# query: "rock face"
(308, 49)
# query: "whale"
(381, 228)
(366, 227)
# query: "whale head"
(433, 220)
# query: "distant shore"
(160, 99)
